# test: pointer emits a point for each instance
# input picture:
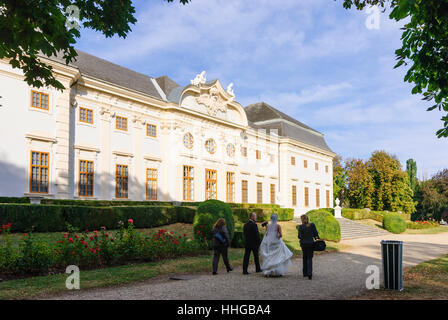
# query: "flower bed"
(422, 224)
(92, 249)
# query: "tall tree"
(392, 191)
(411, 170)
(424, 47)
(359, 184)
(47, 27)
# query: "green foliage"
(104, 203)
(432, 196)
(326, 224)
(263, 214)
(411, 170)
(394, 222)
(359, 184)
(14, 200)
(424, 47)
(339, 180)
(208, 213)
(51, 218)
(391, 189)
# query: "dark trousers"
(307, 250)
(247, 252)
(217, 251)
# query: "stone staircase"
(351, 230)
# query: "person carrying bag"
(221, 243)
(307, 234)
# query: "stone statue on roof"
(199, 79)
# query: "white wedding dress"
(274, 252)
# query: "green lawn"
(44, 285)
(426, 281)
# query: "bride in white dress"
(276, 255)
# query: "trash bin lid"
(391, 242)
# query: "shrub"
(208, 213)
(103, 203)
(326, 224)
(14, 200)
(394, 222)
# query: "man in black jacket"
(251, 243)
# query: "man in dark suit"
(251, 243)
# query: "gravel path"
(336, 276)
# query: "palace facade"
(114, 133)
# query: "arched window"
(210, 146)
(188, 140)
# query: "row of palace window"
(305, 164)
(211, 183)
(39, 174)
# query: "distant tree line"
(380, 184)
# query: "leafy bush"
(360, 214)
(326, 224)
(394, 222)
(208, 213)
(263, 214)
(103, 203)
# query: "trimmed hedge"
(394, 222)
(360, 214)
(103, 203)
(54, 218)
(326, 224)
(208, 213)
(14, 200)
(238, 236)
(263, 214)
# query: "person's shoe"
(310, 277)
(304, 276)
(258, 271)
(215, 273)
(230, 269)
(246, 273)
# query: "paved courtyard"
(336, 276)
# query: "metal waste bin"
(392, 254)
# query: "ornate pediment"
(213, 101)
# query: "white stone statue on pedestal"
(337, 209)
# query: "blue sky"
(312, 59)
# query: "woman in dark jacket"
(307, 234)
(220, 241)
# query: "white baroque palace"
(117, 134)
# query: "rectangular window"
(151, 184)
(259, 192)
(39, 172)
(294, 196)
(244, 151)
(85, 178)
(327, 197)
(316, 166)
(272, 193)
(293, 161)
(230, 181)
(258, 154)
(307, 197)
(210, 184)
(188, 183)
(151, 130)
(121, 181)
(39, 100)
(317, 198)
(305, 163)
(326, 169)
(121, 123)
(244, 191)
(86, 115)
